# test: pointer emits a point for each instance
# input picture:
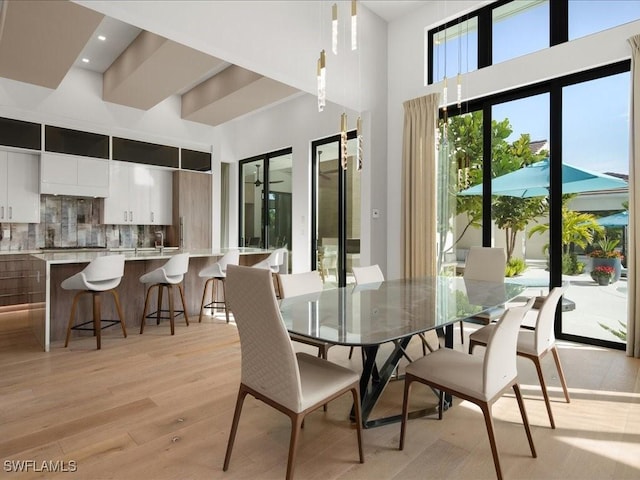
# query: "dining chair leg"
(408, 380)
(461, 332)
(350, 353)
(563, 381)
(116, 300)
(296, 426)
(440, 404)
(525, 420)
(488, 420)
(242, 393)
(543, 386)
(355, 392)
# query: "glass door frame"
(342, 207)
(264, 207)
(554, 88)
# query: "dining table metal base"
(374, 380)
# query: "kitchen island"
(50, 305)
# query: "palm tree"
(577, 229)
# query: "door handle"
(125, 215)
(131, 215)
(10, 213)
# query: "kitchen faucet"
(160, 234)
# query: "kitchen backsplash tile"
(73, 222)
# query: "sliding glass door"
(336, 210)
(552, 189)
(265, 200)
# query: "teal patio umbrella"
(620, 219)
(533, 181)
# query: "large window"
(528, 21)
(589, 16)
(551, 221)
(505, 30)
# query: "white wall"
(77, 104)
(282, 40)
(407, 80)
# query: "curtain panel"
(633, 321)
(419, 212)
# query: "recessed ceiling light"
(102, 37)
(85, 60)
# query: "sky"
(595, 113)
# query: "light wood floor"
(154, 406)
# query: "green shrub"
(571, 265)
(515, 266)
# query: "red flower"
(603, 271)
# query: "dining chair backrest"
(544, 336)
(485, 263)
(269, 363)
(370, 274)
(499, 368)
(294, 284)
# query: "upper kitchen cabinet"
(139, 195)
(135, 151)
(62, 174)
(19, 197)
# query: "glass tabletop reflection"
(373, 314)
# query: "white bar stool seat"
(102, 274)
(215, 274)
(170, 274)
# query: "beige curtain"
(633, 291)
(419, 186)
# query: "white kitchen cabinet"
(62, 174)
(161, 197)
(19, 188)
(138, 195)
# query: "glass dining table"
(391, 312)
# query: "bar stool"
(102, 274)
(277, 262)
(170, 274)
(215, 274)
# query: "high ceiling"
(41, 40)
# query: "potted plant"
(602, 274)
(607, 255)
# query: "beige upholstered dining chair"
(292, 383)
(373, 275)
(296, 284)
(535, 344)
(479, 380)
(488, 264)
(369, 274)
